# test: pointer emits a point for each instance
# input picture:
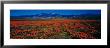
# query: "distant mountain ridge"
(55, 16)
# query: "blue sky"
(62, 12)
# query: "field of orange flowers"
(55, 29)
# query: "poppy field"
(55, 29)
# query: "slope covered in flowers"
(55, 29)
